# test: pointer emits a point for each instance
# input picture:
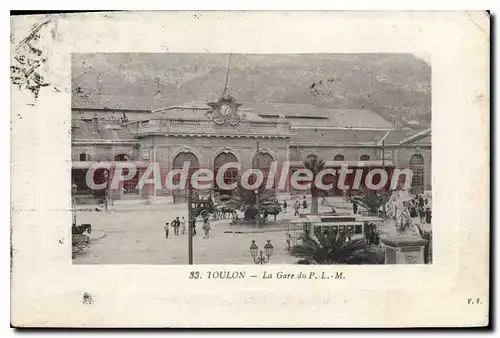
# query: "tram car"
(353, 226)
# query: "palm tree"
(315, 165)
(333, 249)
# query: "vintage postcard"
(285, 169)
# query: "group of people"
(419, 207)
(179, 225)
(298, 204)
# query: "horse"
(80, 229)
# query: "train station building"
(210, 134)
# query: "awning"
(88, 164)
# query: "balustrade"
(174, 126)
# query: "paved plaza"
(136, 236)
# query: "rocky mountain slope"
(396, 86)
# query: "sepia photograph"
(251, 158)
(286, 169)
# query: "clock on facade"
(226, 110)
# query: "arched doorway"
(180, 195)
(230, 174)
(338, 158)
(263, 161)
(364, 158)
(417, 168)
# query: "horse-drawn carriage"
(80, 239)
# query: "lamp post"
(263, 256)
(257, 202)
(106, 189)
(384, 212)
(73, 201)
(191, 223)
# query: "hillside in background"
(396, 86)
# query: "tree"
(334, 249)
(370, 202)
(247, 199)
(315, 165)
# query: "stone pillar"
(404, 250)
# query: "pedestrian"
(166, 230)
(304, 203)
(206, 227)
(284, 206)
(354, 207)
(421, 213)
(235, 218)
(183, 226)
(176, 224)
(296, 207)
(288, 241)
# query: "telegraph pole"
(154, 164)
(257, 199)
(191, 222)
(383, 168)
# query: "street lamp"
(106, 190)
(261, 258)
(73, 201)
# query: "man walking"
(206, 227)
(284, 206)
(304, 203)
(183, 226)
(296, 207)
(176, 224)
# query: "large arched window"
(338, 157)
(181, 158)
(263, 161)
(364, 158)
(230, 174)
(417, 168)
(130, 185)
(180, 195)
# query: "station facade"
(208, 135)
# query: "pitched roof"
(113, 102)
(402, 136)
(358, 118)
(84, 130)
(196, 111)
(296, 114)
(340, 136)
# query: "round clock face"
(226, 110)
